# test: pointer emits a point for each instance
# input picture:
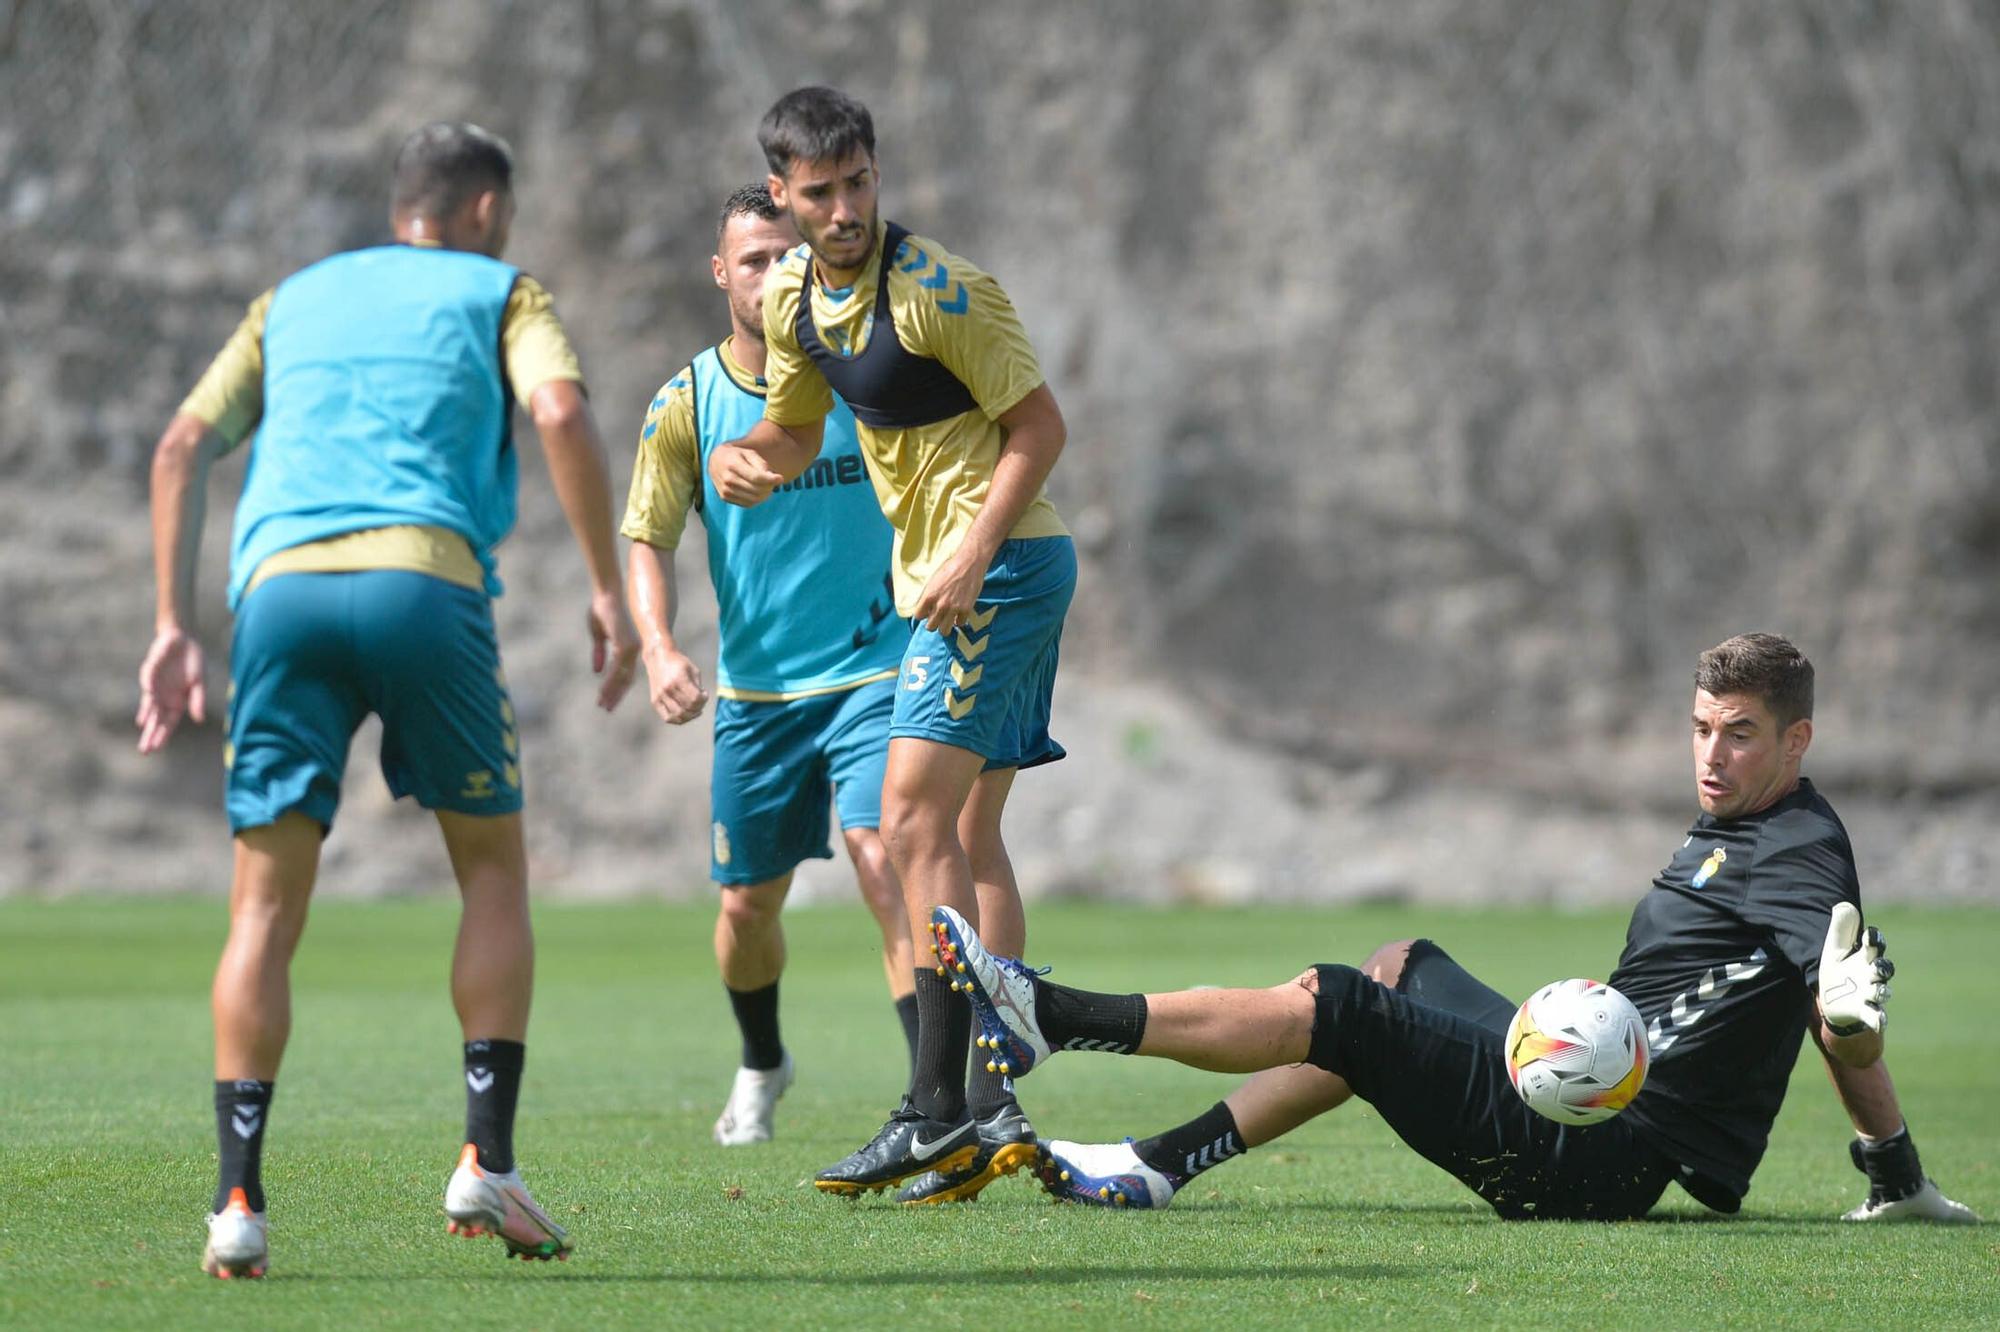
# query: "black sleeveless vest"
(887, 387)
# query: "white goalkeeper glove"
(1853, 974)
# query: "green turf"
(106, 1146)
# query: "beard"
(869, 230)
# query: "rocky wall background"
(1441, 378)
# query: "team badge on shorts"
(721, 840)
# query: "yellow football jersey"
(931, 479)
(229, 399)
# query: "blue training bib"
(802, 579)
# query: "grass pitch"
(107, 1148)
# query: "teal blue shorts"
(315, 653)
(987, 685)
(777, 764)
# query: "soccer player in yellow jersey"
(806, 669)
(959, 432)
(381, 385)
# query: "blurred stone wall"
(1441, 378)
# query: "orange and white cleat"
(237, 1241)
(485, 1202)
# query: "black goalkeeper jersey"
(1722, 960)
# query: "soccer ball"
(1576, 1052)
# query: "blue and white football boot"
(1102, 1174)
(1002, 990)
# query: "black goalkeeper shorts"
(1427, 1056)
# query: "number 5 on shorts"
(916, 673)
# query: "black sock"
(1207, 1140)
(944, 1037)
(757, 1020)
(1891, 1164)
(492, 1087)
(1081, 1020)
(241, 1107)
(985, 1092)
(906, 1013)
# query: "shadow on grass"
(1746, 1225)
(1470, 1210)
(1015, 1276)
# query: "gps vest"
(801, 580)
(887, 387)
(385, 403)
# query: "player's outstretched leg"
(1149, 1171)
(1023, 1018)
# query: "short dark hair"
(812, 125)
(749, 201)
(1766, 665)
(445, 163)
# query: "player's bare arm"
(582, 481)
(1866, 1093)
(170, 677)
(673, 681)
(1035, 438)
(747, 470)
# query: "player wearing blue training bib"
(806, 676)
(381, 386)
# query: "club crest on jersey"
(1716, 859)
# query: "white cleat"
(1102, 1174)
(237, 1243)
(483, 1202)
(1926, 1204)
(747, 1116)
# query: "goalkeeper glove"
(1853, 974)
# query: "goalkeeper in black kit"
(1750, 940)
